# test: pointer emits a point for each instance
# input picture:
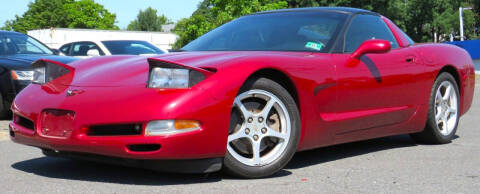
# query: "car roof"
(345, 10)
(10, 32)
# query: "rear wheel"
(443, 114)
(264, 130)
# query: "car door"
(379, 89)
(65, 49)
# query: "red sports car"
(249, 94)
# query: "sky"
(126, 10)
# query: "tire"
(49, 153)
(4, 111)
(437, 131)
(275, 130)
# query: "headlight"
(39, 75)
(167, 127)
(22, 75)
(163, 74)
(168, 78)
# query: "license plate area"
(57, 123)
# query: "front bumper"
(126, 105)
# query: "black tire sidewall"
(236, 168)
(3, 109)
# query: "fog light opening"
(144, 147)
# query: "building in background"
(168, 27)
(56, 37)
(473, 47)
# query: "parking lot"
(386, 165)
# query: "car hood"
(114, 71)
(23, 61)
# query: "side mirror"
(93, 53)
(56, 51)
(372, 46)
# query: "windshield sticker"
(314, 46)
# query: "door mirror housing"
(93, 53)
(372, 46)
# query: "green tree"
(62, 14)
(148, 20)
(88, 14)
(40, 14)
(213, 13)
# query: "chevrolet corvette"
(247, 95)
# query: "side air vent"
(24, 122)
(115, 130)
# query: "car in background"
(17, 52)
(85, 49)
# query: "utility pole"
(462, 37)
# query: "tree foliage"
(88, 14)
(213, 13)
(148, 20)
(62, 14)
(421, 19)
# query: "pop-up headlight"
(168, 75)
(39, 75)
(168, 78)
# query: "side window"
(410, 41)
(366, 27)
(81, 48)
(65, 49)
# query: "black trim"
(144, 147)
(372, 67)
(207, 165)
(115, 130)
(321, 87)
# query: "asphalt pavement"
(386, 165)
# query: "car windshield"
(283, 31)
(127, 47)
(11, 44)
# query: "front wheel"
(443, 113)
(264, 130)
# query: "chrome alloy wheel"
(263, 129)
(446, 108)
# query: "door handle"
(410, 60)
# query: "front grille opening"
(115, 130)
(24, 122)
(144, 147)
(12, 134)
